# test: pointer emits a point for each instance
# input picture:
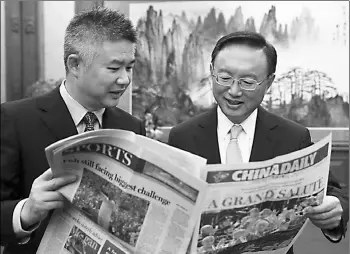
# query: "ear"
(271, 79)
(74, 64)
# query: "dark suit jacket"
(27, 127)
(273, 136)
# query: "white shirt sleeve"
(22, 235)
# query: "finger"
(49, 196)
(322, 208)
(47, 175)
(54, 205)
(335, 219)
(323, 216)
(59, 182)
(327, 224)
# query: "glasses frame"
(258, 83)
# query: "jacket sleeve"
(333, 189)
(10, 175)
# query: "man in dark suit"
(243, 66)
(99, 55)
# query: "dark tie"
(233, 154)
(89, 119)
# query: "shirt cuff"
(22, 235)
(334, 235)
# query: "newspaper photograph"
(79, 242)
(141, 198)
(71, 232)
(258, 207)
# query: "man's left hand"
(326, 215)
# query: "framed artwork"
(172, 81)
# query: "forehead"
(241, 58)
(122, 50)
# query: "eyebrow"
(118, 62)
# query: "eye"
(129, 68)
(112, 68)
(249, 81)
(224, 77)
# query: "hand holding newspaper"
(133, 195)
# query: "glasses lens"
(248, 84)
(224, 80)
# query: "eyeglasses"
(248, 84)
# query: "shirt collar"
(76, 110)
(225, 125)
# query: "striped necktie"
(233, 153)
(89, 119)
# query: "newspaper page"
(135, 198)
(258, 207)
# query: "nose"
(235, 89)
(123, 79)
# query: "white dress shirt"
(245, 138)
(77, 112)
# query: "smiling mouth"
(234, 102)
(116, 93)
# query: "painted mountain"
(172, 82)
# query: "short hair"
(251, 39)
(89, 28)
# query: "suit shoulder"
(289, 129)
(18, 106)
(191, 123)
(289, 124)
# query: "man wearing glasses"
(240, 130)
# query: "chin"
(236, 116)
(111, 103)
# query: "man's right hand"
(44, 197)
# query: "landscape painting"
(172, 81)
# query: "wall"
(3, 56)
(56, 16)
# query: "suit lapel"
(55, 115)
(263, 143)
(206, 137)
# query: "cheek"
(255, 96)
(103, 76)
(218, 92)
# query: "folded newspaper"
(138, 195)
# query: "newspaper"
(133, 195)
(258, 207)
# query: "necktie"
(89, 119)
(233, 154)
